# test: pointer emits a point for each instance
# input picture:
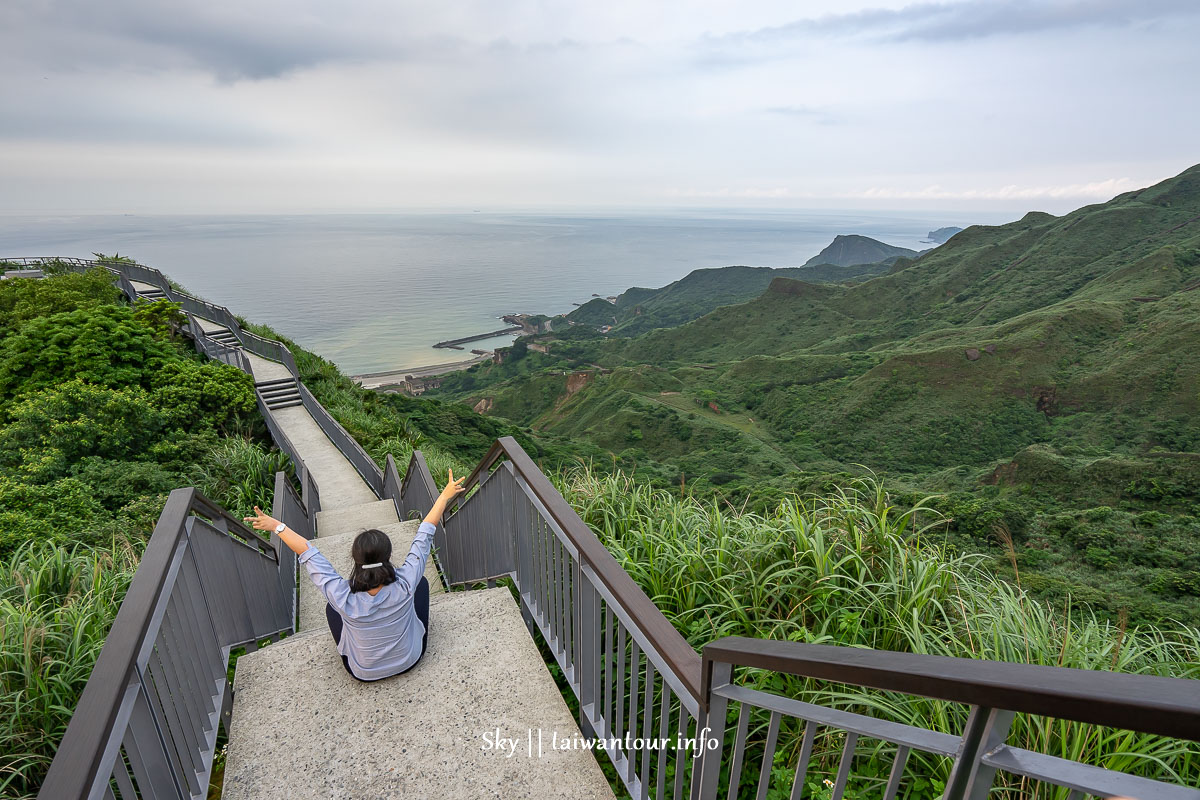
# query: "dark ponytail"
(371, 547)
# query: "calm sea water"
(374, 291)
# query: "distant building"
(414, 386)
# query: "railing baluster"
(177, 763)
(664, 730)
(620, 696)
(120, 773)
(647, 729)
(542, 580)
(146, 755)
(682, 755)
(764, 777)
(179, 720)
(893, 784)
(556, 589)
(609, 665)
(806, 748)
(162, 660)
(739, 750)
(839, 785)
(634, 673)
(586, 668)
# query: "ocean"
(373, 292)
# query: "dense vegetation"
(850, 568)
(841, 566)
(1040, 376)
(639, 310)
(102, 412)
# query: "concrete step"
(356, 518)
(337, 550)
(304, 729)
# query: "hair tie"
(372, 566)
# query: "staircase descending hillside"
(415, 735)
(298, 726)
(300, 721)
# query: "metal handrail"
(151, 696)
(683, 659)
(618, 653)
(994, 691)
(1144, 703)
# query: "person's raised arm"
(260, 521)
(452, 490)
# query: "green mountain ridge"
(638, 309)
(1037, 368)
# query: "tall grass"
(56, 606)
(239, 474)
(850, 569)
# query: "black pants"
(420, 605)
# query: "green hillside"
(638, 310)
(1041, 373)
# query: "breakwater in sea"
(455, 343)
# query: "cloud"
(819, 116)
(934, 22)
(727, 193)
(254, 40)
(1097, 190)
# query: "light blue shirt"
(381, 635)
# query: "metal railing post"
(711, 727)
(587, 627)
(970, 778)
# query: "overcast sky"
(308, 105)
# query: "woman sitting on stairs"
(380, 616)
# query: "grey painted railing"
(343, 441)
(217, 351)
(38, 261)
(634, 676)
(146, 723)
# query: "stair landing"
(302, 728)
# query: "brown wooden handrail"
(1145, 703)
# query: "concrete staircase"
(280, 393)
(303, 728)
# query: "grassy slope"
(639, 310)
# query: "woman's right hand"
(261, 522)
(453, 487)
